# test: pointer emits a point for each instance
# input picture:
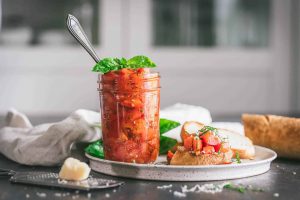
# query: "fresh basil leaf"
(238, 188)
(95, 149)
(123, 61)
(166, 125)
(237, 157)
(241, 188)
(205, 129)
(111, 64)
(166, 144)
(106, 65)
(140, 62)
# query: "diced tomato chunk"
(170, 155)
(208, 149)
(125, 71)
(188, 143)
(205, 137)
(217, 147)
(226, 163)
(225, 147)
(143, 71)
(132, 103)
(210, 139)
(197, 145)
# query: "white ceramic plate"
(163, 172)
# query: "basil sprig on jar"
(112, 64)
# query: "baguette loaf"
(282, 134)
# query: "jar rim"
(144, 80)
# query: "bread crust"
(282, 134)
(183, 157)
(185, 127)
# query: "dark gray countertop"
(283, 179)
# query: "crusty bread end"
(276, 132)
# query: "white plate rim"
(258, 162)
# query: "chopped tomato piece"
(143, 71)
(225, 147)
(197, 145)
(210, 139)
(170, 155)
(110, 76)
(132, 103)
(205, 137)
(214, 140)
(188, 143)
(217, 147)
(226, 163)
(125, 71)
(208, 149)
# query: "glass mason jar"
(129, 103)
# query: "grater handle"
(6, 172)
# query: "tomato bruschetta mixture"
(130, 100)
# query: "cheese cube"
(74, 170)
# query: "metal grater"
(52, 180)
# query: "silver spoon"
(78, 33)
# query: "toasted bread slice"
(183, 157)
(190, 128)
(238, 143)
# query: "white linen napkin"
(46, 144)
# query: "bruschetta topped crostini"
(206, 145)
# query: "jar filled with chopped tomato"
(129, 102)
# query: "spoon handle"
(77, 32)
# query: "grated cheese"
(276, 195)
(57, 194)
(41, 195)
(179, 194)
(165, 186)
(207, 188)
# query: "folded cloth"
(46, 144)
(183, 112)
